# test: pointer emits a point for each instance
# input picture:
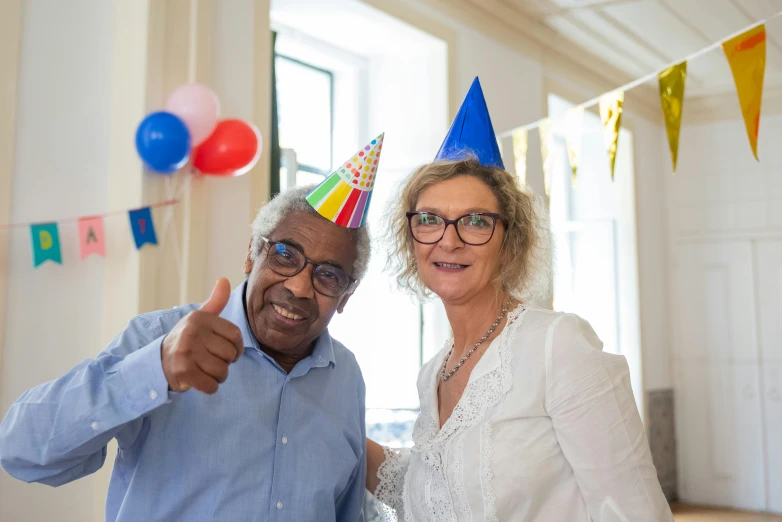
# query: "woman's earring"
(414, 265)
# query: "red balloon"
(231, 150)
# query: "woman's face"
(453, 270)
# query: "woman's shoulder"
(532, 319)
(541, 328)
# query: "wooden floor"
(698, 514)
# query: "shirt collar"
(322, 354)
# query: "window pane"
(307, 178)
(304, 112)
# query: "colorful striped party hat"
(344, 196)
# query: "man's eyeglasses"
(476, 228)
(287, 260)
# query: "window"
(593, 222)
(305, 96)
(332, 99)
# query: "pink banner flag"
(91, 240)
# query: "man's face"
(286, 314)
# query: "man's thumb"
(219, 298)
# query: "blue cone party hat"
(471, 132)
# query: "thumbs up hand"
(199, 349)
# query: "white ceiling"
(638, 37)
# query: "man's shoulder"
(163, 319)
(343, 356)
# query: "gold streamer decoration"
(520, 142)
(545, 131)
(672, 82)
(746, 55)
(611, 118)
(574, 134)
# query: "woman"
(523, 417)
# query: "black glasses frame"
(454, 222)
(307, 261)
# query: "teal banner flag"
(46, 243)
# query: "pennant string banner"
(165, 203)
(654, 75)
(746, 55)
(574, 135)
(46, 236)
(672, 82)
(546, 146)
(611, 118)
(520, 142)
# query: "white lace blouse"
(546, 430)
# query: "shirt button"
(152, 394)
(94, 426)
(285, 440)
(279, 505)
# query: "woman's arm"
(375, 458)
(386, 470)
(593, 411)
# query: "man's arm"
(57, 432)
(350, 507)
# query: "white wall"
(54, 312)
(228, 203)
(719, 187)
(724, 226)
(75, 119)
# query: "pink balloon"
(198, 107)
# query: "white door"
(718, 409)
(769, 276)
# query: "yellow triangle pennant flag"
(544, 129)
(746, 54)
(672, 100)
(520, 154)
(611, 118)
(574, 134)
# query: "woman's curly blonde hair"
(525, 264)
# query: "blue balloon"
(163, 142)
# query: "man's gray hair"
(294, 200)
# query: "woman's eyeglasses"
(288, 261)
(476, 228)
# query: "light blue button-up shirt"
(268, 446)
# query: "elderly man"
(280, 436)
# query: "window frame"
(303, 166)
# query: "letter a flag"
(143, 228)
(746, 54)
(46, 243)
(91, 240)
(611, 117)
(672, 100)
